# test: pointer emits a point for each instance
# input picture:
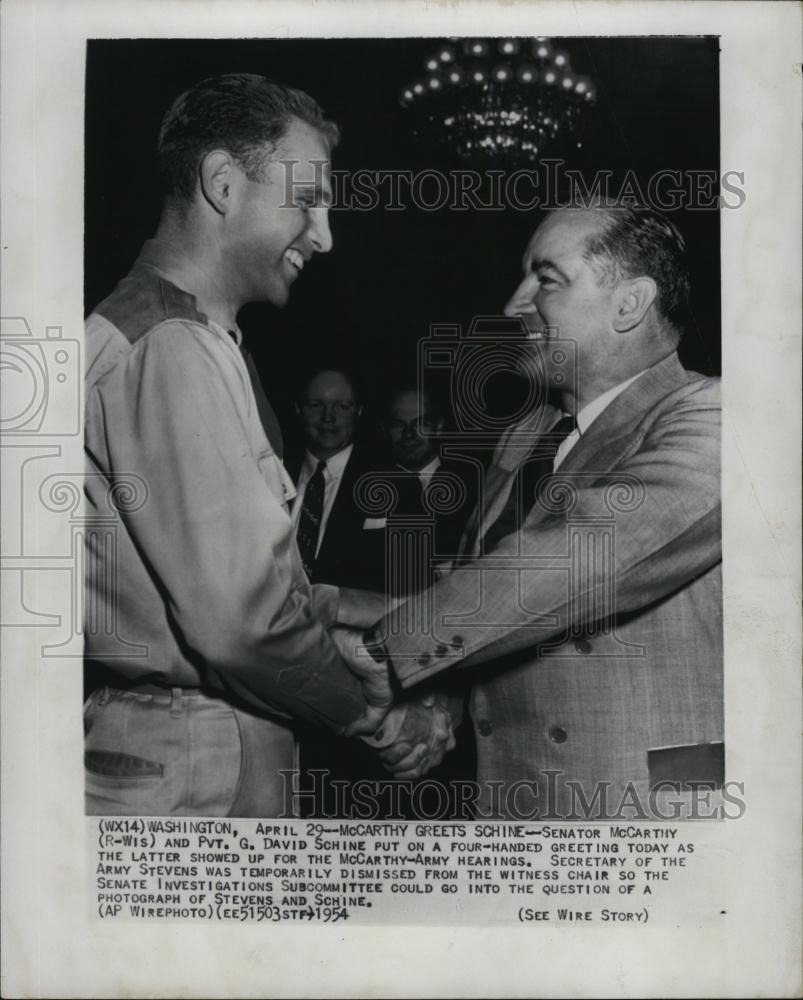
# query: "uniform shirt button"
(441, 650)
(424, 659)
(582, 645)
(484, 727)
(457, 640)
(558, 734)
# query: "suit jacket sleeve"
(667, 532)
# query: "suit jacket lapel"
(599, 449)
(514, 447)
(611, 434)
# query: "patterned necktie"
(309, 523)
(522, 496)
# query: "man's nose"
(522, 302)
(319, 233)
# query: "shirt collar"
(335, 466)
(160, 255)
(592, 410)
(426, 472)
(181, 272)
(235, 333)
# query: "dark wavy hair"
(243, 113)
(638, 241)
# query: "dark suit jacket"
(356, 552)
(350, 554)
(428, 525)
(595, 632)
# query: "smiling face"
(278, 223)
(328, 413)
(560, 294)
(412, 430)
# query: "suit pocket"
(687, 764)
(374, 523)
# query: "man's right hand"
(374, 676)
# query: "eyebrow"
(543, 263)
(320, 195)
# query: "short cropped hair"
(345, 372)
(243, 113)
(638, 241)
(423, 392)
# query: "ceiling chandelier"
(511, 99)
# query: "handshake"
(410, 736)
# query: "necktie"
(309, 523)
(522, 496)
(411, 493)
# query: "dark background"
(391, 274)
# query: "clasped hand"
(423, 739)
(422, 728)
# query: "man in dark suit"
(589, 605)
(335, 544)
(435, 496)
(439, 489)
(339, 545)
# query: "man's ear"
(634, 296)
(217, 175)
(359, 411)
(440, 423)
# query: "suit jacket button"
(441, 650)
(484, 727)
(582, 645)
(558, 734)
(457, 640)
(424, 659)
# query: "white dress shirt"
(426, 472)
(586, 417)
(332, 476)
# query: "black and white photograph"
(401, 499)
(451, 356)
